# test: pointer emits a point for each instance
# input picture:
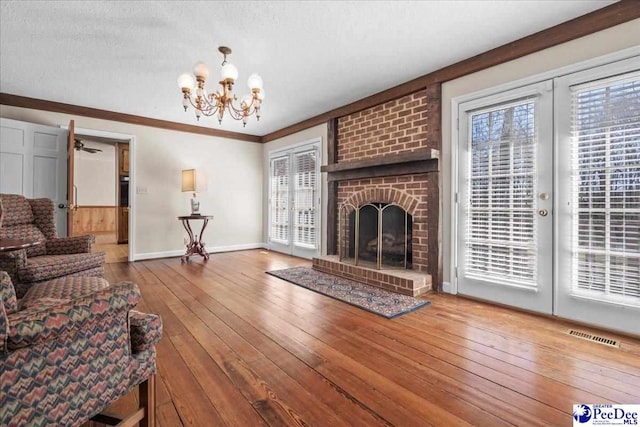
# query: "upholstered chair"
(33, 219)
(71, 347)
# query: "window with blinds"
(605, 130)
(305, 195)
(501, 206)
(279, 228)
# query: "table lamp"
(189, 185)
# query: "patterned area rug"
(370, 298)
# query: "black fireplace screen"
(376, 235)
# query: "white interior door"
(294, 201)
(504, 250)
(33, 162)
(598, 243)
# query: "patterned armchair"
(72, 346)
(33, 219)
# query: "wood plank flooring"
(243, 348)
(107, 243)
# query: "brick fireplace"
(387, 155)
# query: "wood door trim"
(77, 110)
(71, 199)
(598, 20)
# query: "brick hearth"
(407, 282)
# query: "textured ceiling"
(313, 56)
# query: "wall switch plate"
(142, 190)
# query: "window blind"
(605, 130)
(279, 227)
(501, 206)
(305, 195)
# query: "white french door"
(548, 210)
(504, 200)
(294, 201)
(598, 221)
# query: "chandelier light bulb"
(254, 81)
(201, 70)
(229, 72)
(186, 81)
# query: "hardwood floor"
(107, 243)
(247, 349)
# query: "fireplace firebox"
(376, 235)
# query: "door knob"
(63, 206)
(543, 212)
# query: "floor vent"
(595, 338)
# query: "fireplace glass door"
(376, 235)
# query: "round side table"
(195, 246)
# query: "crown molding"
(77, 110)
(598, 20)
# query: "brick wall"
(401, 125)
(411, 192)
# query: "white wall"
(315, 132)
(95, 175)
(604, 42)
(234, 171)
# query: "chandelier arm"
(207, 109)
(208, 104)
(235, 114)
(241, 111)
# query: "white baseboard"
(210, 249)
(448, 288)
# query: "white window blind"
(305, 195)
(279, 229)
(605, 129)
(501, 206)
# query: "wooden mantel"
(422, 160)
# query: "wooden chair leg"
(147, 395)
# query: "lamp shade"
(189, 180)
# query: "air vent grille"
(594, 338)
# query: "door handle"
(63, 206)
(75, 198)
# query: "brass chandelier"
(222, 100)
